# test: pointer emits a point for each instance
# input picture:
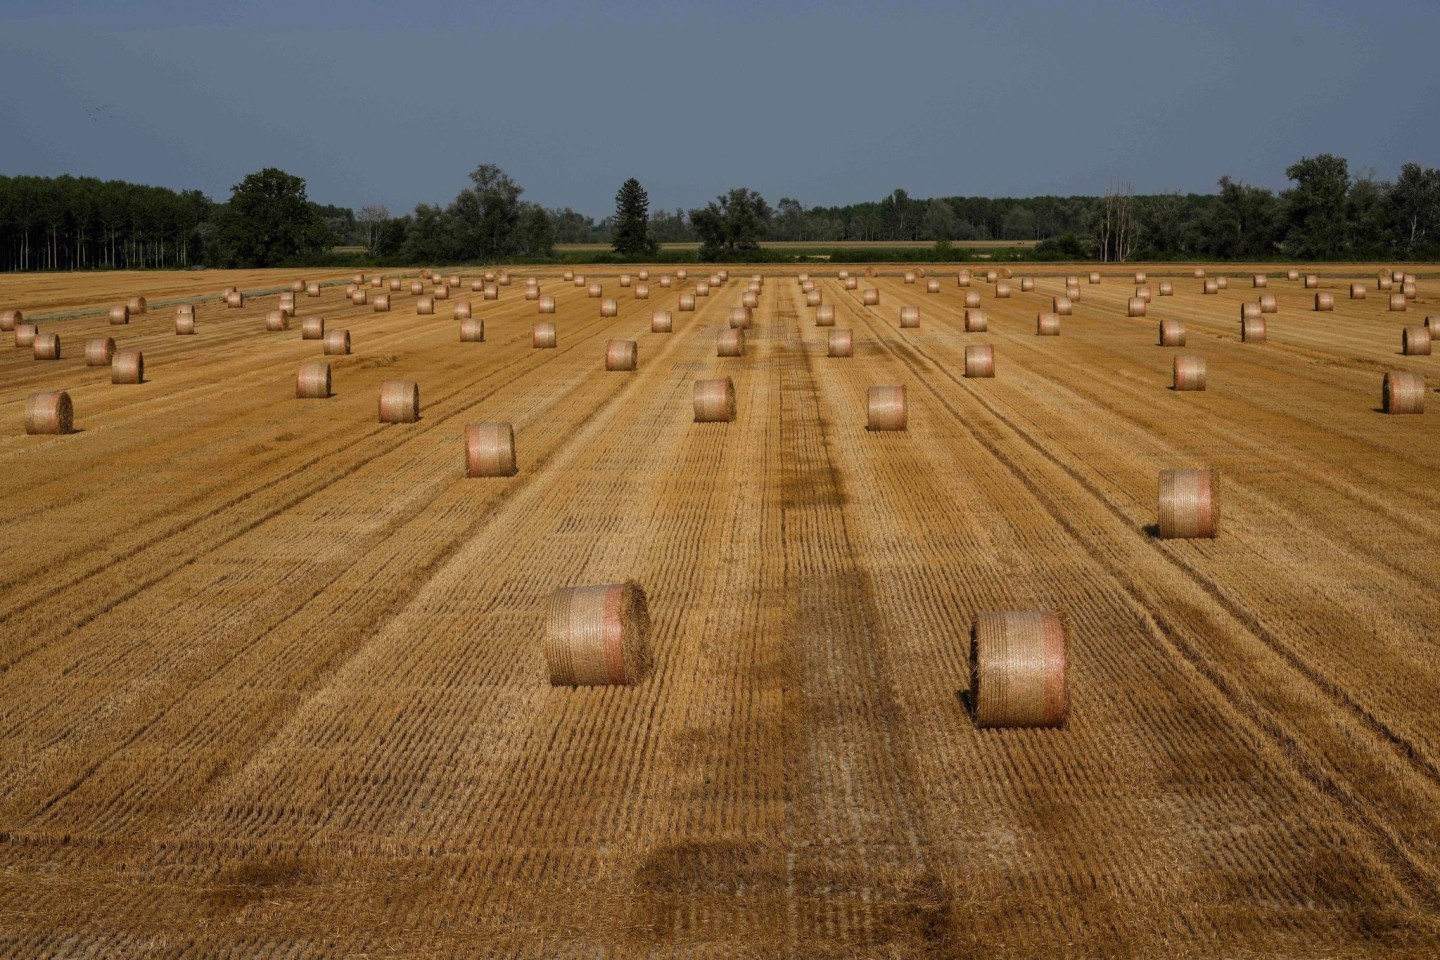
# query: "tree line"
(65, 223)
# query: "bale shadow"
(1151, 530)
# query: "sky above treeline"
(829, 103)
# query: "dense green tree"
(632, 221)
(487, 215)
(732, 225)
(1414, 202)
(270, 220)
(1315, 208)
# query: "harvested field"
(273, 678)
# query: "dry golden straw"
(1172, 333)
(490, 450)
(661, 322)
(425, 306)
(1324, 302)
(399, 401)
(127, 366)
(1252, 330)
(1002, 291)
(885, 408)
(609, 307)
(909, 317)
(1143, 293)
(441, 292)
(1188, 372)
(1414, 342)
(542, 336)
(1017, 669)
(1136, 307)
(840, 343)
(1189, 504)
(1268, 303)
(312, 328)
(1211, 287)
(1061, 306)
(740, 318)
(871, 297)
(597, 635)
(1048, 324)
(1259, 280)
(702, 289)
(1200, 273)
(976, 321)
(714, 400)
(812, 299)
(1402, 392)
(25, 334)
(138, 306)
(687, 302)
(360, 297)
(184, 324)
(1292, 274)
(337, 343)
(416, 288)
(382, 303)
(730, 343)
(1311, 281)
(933, 286)
(909, 276)
(1357, 291)
(594, 290)
(461, 310)
(1222, 282)
(99, 351)
(313, 380)
(980, 360)
(972, 298)
(49, 413)
(852, 283)
(621, 355)
(547, 305)
(1094, 276)
(277, 320)
(1397, 303)
(1249, 311)
(9, 318)
(119, 315)
(642, 291)
(47, 346)
(472, 330)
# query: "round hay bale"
(1292, 274)
(609, 308)
(972, 299)
(441, 292)
(127, 366)
(1397, 276)
(1061, 306)
(504, 278)
(1199, 273)
(49, 413)
(1017, 669)
(714, 400)
(461, 310)
(1143, 293)
(477, 285)
(991, 276)
(1222, 283)
(871, 272)
(358, 279)
(1172, 333)
(399, 401)
(1409, 290)
(1140, 276)
(920, 272)
(312, 328)
(751, 301)
(717, 279)
(1259, 280)
(702, 289)
(277, 320)
(1397, 303)
(531, 293)
(682, 274)
(1252, 330)
(297, 286)
(1268, 303)
(621, 355)
(624, 279)
(1357, 291)
(909, 317)
(933, 286)
(416, 288)
(336, 343)
(962, 279)
(1433, 325)
(361, 297)
(425, 274)
(871, 297)
(1136, 307)
(25, 334)
(1402, 392)
(1187, 372)
(812, 299)
(885, 408)
(1094, 276)
(594, 290)
(1002, 291)
(542, 336)
(643, 276)
(9, 318)
(472, 330)
(597, 635)
(382, 303)
(377, 282)
(454, 281)
(740, 318)
(1048, 324)
(1311, 281)
(642, 291)
(840, 343)
(665, 281)
(1073, 292)
(661, 322)
(1414, 342)
(138, 306)
(490, 450)
(825, 315)
(975, 320)
(119, 316)
(47, 346)
(730, 343)
(852, 283)
(99, 351)
(395, 286)
(1211, 287)
(425, 307)
(185, 324)
(1249, 311)
(687, 302)
(842, 275)
(568, 275)
(909, 276)
(1027, 285)
(184, 308)
(1189, 504)
(1167, 289)
(1324, 302)
(313, 381)
(980, 360)
(547, 305)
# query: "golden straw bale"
(1172, 333)
(621, 355)
(975, 320)
(1189, 504)
(1136, 307)
(399, 401)
(840, 343)
(1048, 324)
(885, 408)
(1187, 372)
(547, 305)
(714, 400)
(313, 380)
(1324, 301)
(49, 413)
(120, 315)
(472, 330)
(661, 322)
(98, 352)
(730, 343)
(1252, 330)
(127, 366)
(425, 306)
(47, 346)
(542, 336)
(980, 360)
(1061, 306)
(597, 635)
(1402, 392)
(1017, 669)
(490, 450)
(336, 343)
(1414, 342)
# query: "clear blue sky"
(830, 103)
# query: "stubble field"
(271, 672)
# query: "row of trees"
(67, 223)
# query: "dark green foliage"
(632, 222)
(732, 225)
(269, 221)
